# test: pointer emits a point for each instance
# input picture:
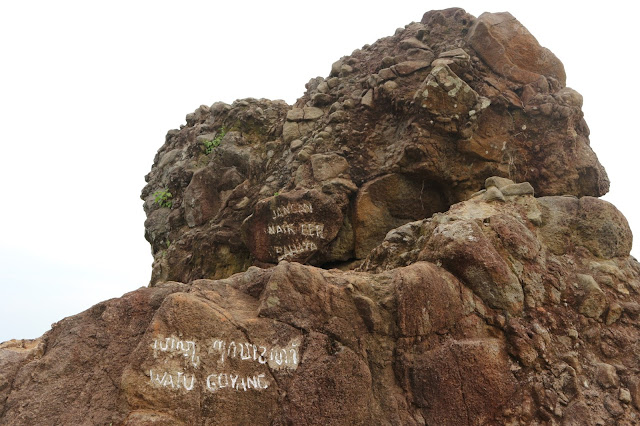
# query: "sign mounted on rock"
(293, 226)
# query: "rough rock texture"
(397, 131)
(522, 311)
(447, 172)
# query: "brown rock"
(206, 194)
(522, 311)
(434, 293)
(606, 376)
(367, 99)
(523, 188)
(493, 194)
(409, 67)
(292, 226)
(603, 229)
(409, 344)
(457, 375)
(390, 110)
(328, 166)
(594, 301)
(498, 182)
(304, 114)
(589, 222)
(463, 249)
(444, 93)
(387, 74)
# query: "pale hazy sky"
(88, 90)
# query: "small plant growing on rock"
(215, 142)
(163, 198)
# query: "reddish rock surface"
(398, 130)
(453, 304)
(473, 316)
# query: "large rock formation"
(461, 298)
(399, 130)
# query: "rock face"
(446, 171)
(399, 130)
(515, 311)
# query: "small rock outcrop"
(417, 241)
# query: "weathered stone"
(304, 114)
(292, 226)
(412, 42)
(455, 53)
(323, 87)
(613, 406)
(367, 99)
(387, 74)
(522, 311)
(409, 67)
(444, 94)
(328, 166)
(346, 69)
(295, 144)
(614, 313)
(634, 391)
(290, 131)
(498, 182)
(295, 114)
(387, 202)
(603, 229)
(420, 55)
(523, 188)
(511, 51)
(339, 185)
(206, 194)
(322, 99)
(625, 396)
(606, 376)
(594, 301)
(424, 288)
(493, 194)
(588, 222)
(337, 117)
(441, 377)
(463, 249)
(389, 86)
(305, 153)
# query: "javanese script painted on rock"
(219, 352)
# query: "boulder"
(293, 226)
(417, 240)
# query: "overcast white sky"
(88, 90)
